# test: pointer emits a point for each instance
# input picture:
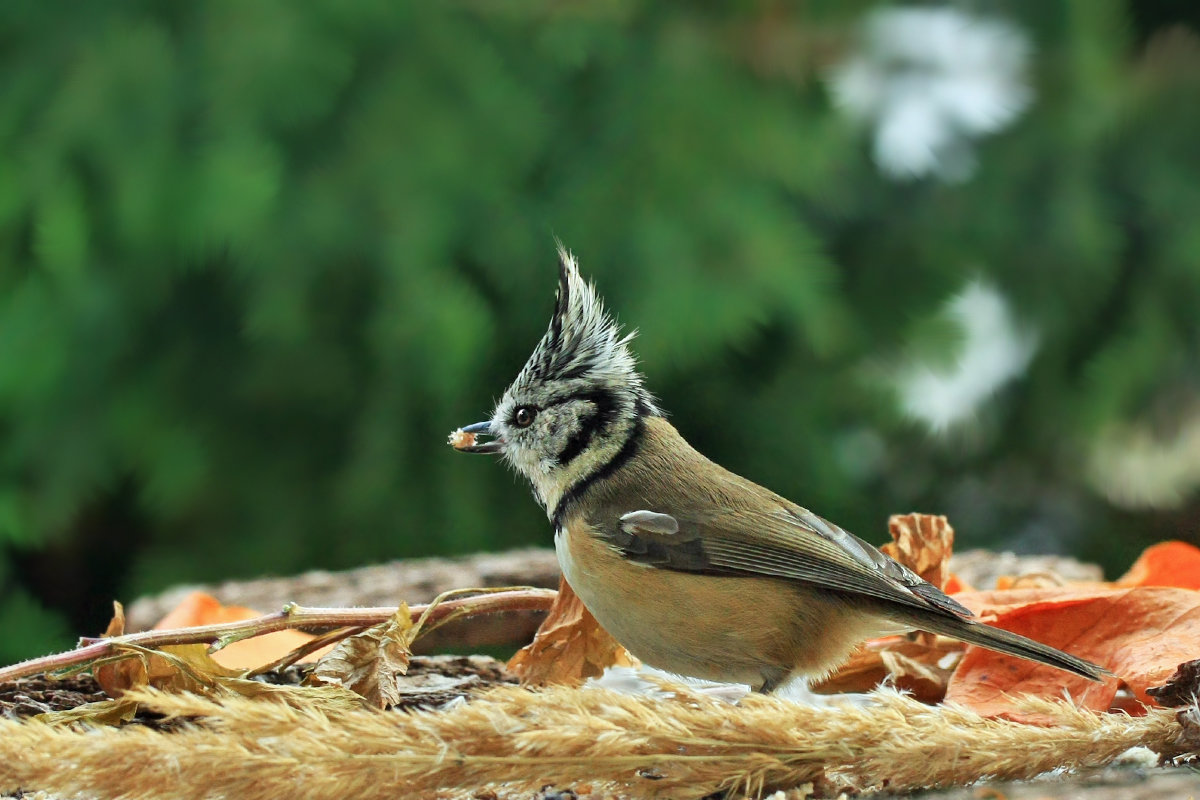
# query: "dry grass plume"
(262, 749)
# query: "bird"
(692, 568)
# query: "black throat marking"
(627, 451)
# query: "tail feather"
(1009, 643)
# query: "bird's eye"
(524, 416)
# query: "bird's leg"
(772, 680)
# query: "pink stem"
(290, 616)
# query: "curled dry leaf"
(916, 665)
(1141, 633)
(104, 712)
(369, 662)
(115, 677)
(569, 647)
(923, 543)
(1142, 627)
(921, 663)
(173, 668)
(178, 668)
(116, 625)
(1181, 689)
(186, 667)
(1188, 718)
(1165, 564)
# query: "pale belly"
(733, 629)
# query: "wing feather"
(789, 542)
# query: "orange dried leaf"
(1032, 580)
(115, 677)
(921, 666)
(926, 678)
(1165, 564)
(116, 625)
(569, 647)
(923, 543)
(200, 608)
(183, 667)
(955, 584)
(141, 669)
(1140, 633)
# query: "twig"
(420, 627)
(316, 643)
(291, 616)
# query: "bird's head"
(576, 402)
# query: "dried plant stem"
(513, 738)
(289, 617)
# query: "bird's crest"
(584, 344)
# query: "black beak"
(479, 428)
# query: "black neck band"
(616, 462)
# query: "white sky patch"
(928, 80)
(994, 351)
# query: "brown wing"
(674, 509)
(789, 542)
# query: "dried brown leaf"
(118, 675)
(178, 668)
(184, 667)
(367, 663)
(116, 625)
(1141, 633)
(104, 712)
(1189, 728)
(923, 543)
(920, 665)
(569, 647)
(1181, 688)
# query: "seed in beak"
(461, 440)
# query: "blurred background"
(259, 258)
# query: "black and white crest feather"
(584, 346)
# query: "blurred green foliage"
(258, 258)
